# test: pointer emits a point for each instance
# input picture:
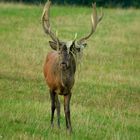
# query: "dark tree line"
(105, 3)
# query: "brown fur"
(53, 73)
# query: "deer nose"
(63, 65)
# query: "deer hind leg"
(53, 105)
(67, 111)
(58, 110)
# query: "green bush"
(106, 3)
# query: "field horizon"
(105, 102)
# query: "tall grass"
(105, 102)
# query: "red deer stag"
(60, 65)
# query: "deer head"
(70, 47)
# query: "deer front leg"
(53, 106)
(67, 111)
(58, 111)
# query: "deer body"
(58, 79)
(60, 65)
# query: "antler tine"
(94, 21)
(101, 16)
(46, 22)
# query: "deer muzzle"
(63, 65)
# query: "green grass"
(105, 103)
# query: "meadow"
(105, 103)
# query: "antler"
(94, 20)
(46, 23)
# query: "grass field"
(105, 103)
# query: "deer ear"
(53, 45)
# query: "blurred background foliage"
(104, 3)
